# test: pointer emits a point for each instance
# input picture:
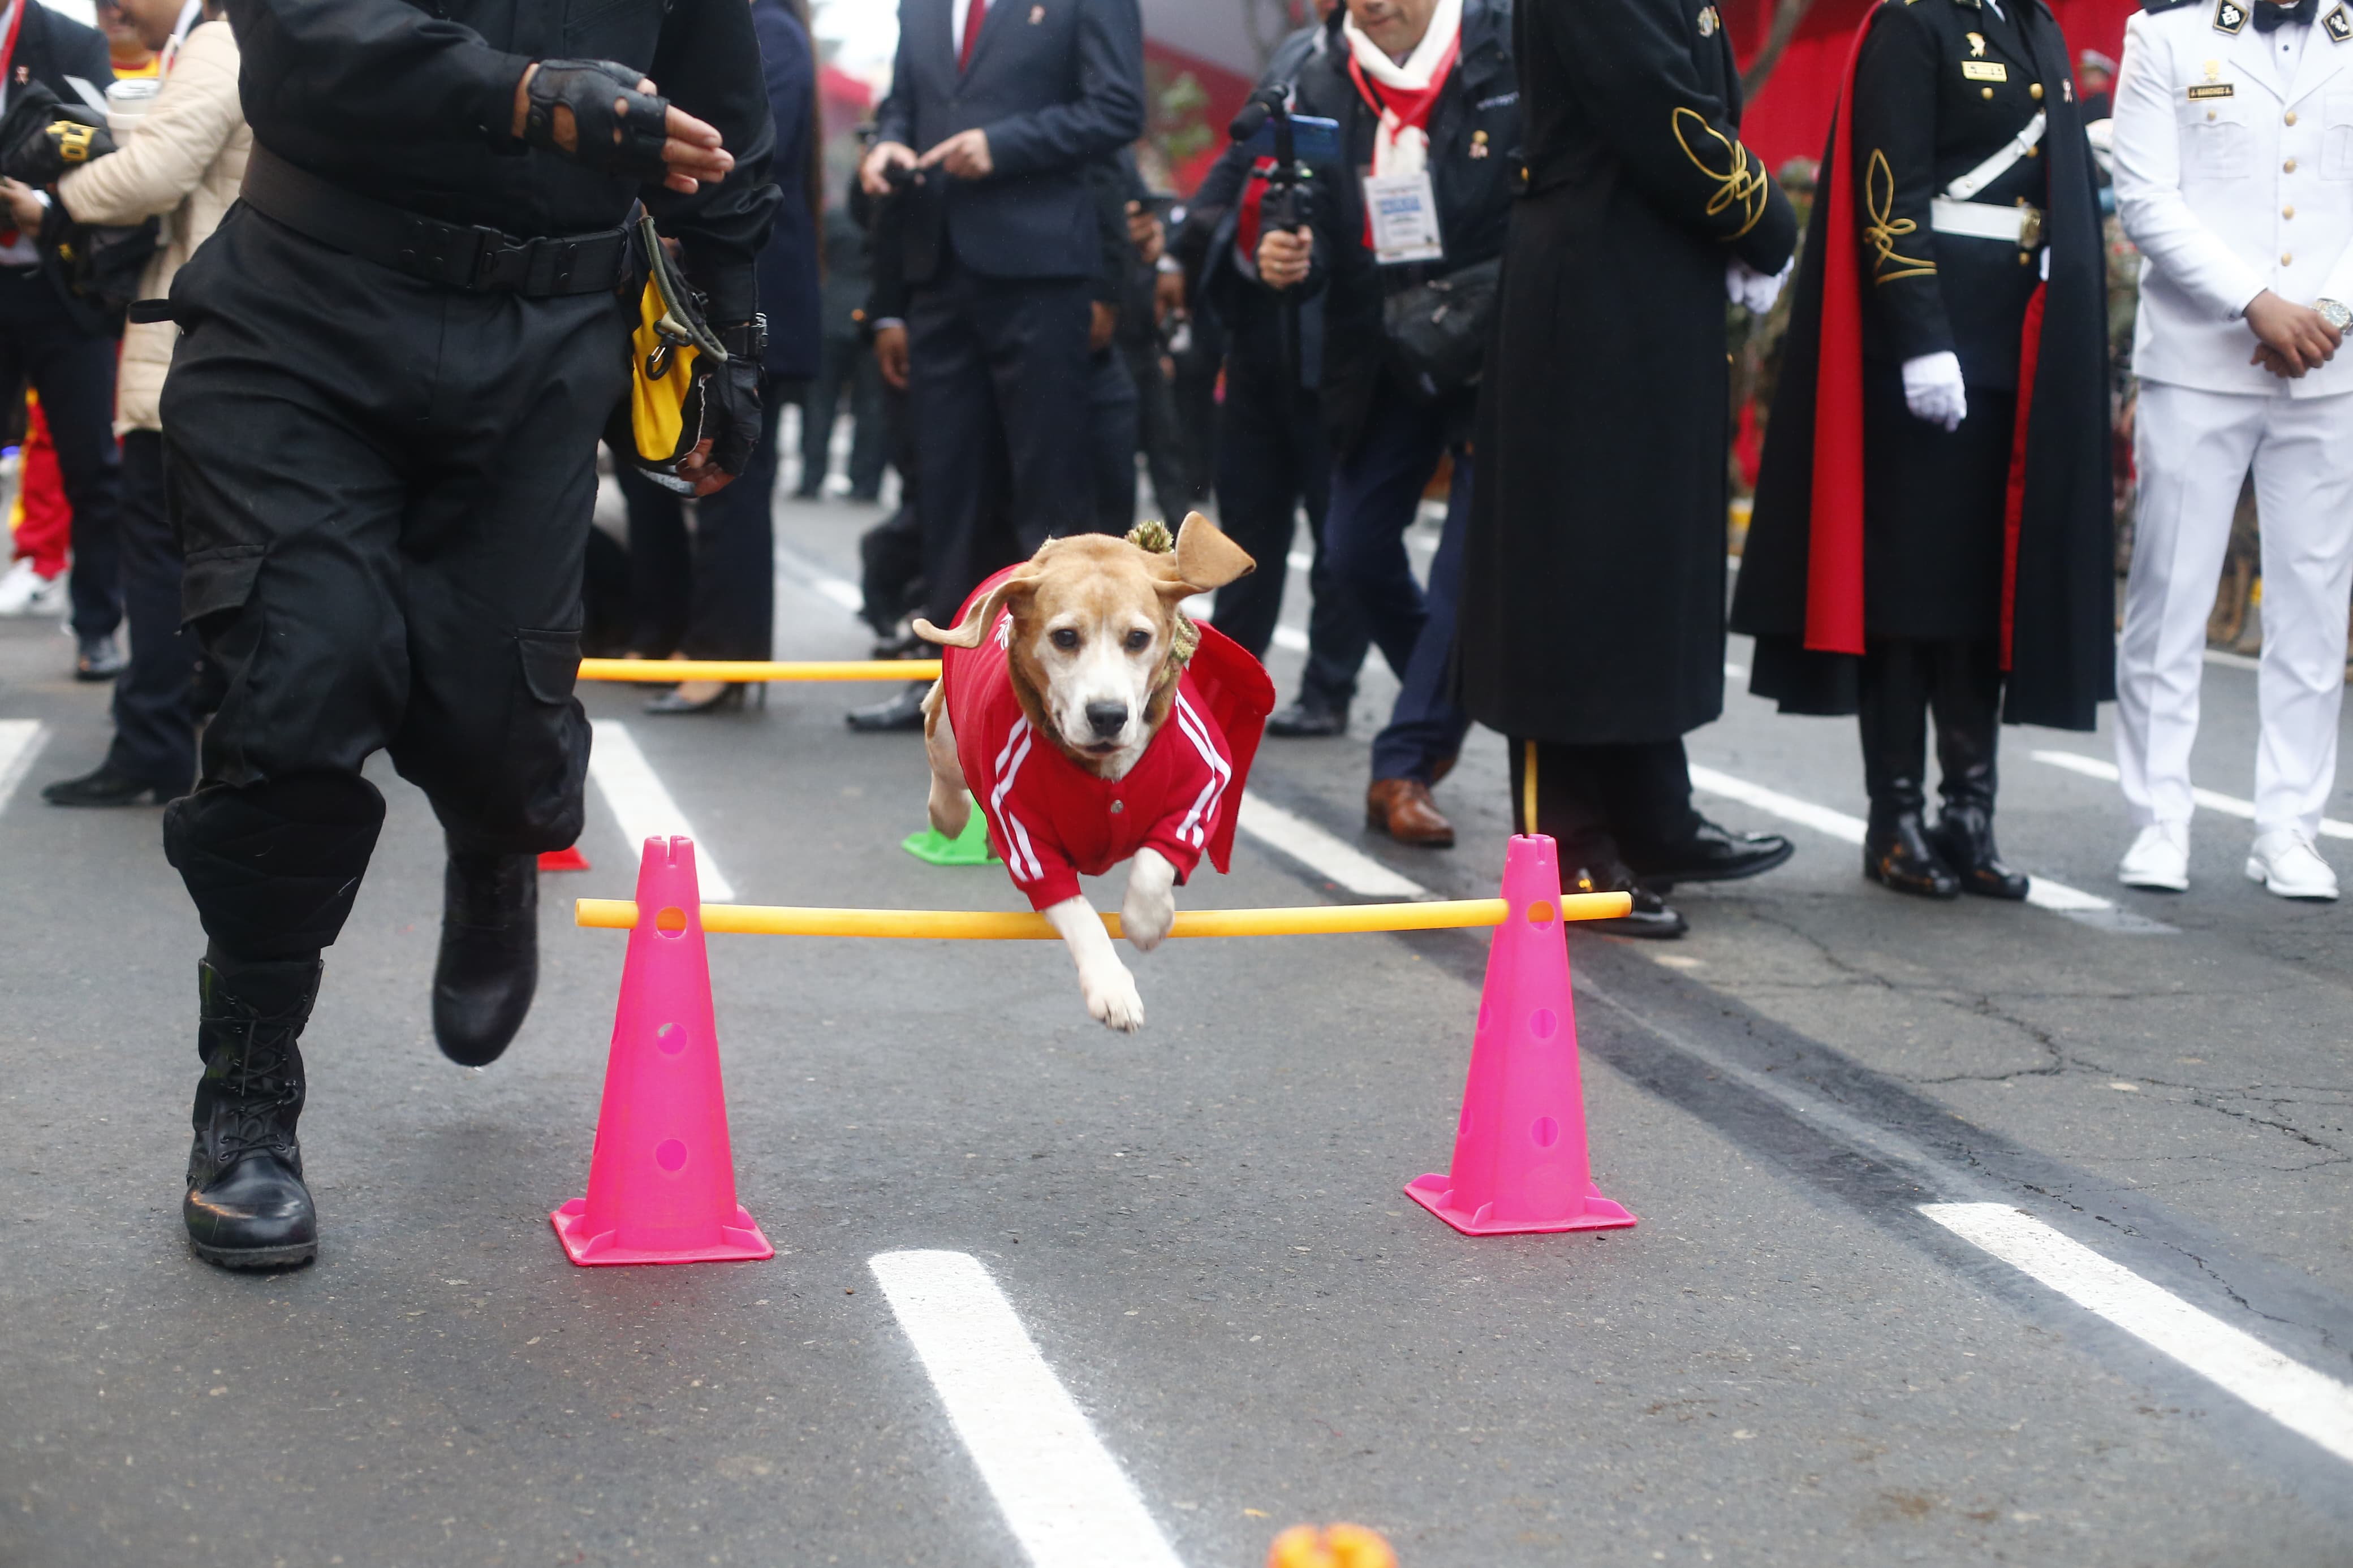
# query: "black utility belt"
(453, 255)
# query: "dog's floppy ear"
(983, 616)
(1206, 559)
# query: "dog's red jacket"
(1052, 821)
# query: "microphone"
(1262, 104)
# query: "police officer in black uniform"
(1972, 278)
(380, 429)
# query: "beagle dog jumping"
(1094, 722)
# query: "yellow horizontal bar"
(994, 925)
(669, 669)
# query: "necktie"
(977, 11)
(2270, 15)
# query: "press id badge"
(1404, 212)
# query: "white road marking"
(636, 793)
(1319, 851)
(1291, 637)
(2229, 660)
(21, 740)
(1736, 672)
(2043, 892)
(2228, 805)
(2304, 1401)
(1063, 1494)
(811, 575)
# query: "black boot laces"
(254, 1081)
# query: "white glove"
(1744, 285)
(1932, 389)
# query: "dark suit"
(1000, 268)
(65, 349)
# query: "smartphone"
(1312, 141)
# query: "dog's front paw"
(1144, 918)
(1113, 999)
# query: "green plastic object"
(969, 848)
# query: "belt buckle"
(2030, 225)
(491, 256)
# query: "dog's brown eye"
(1065, 639)
(1137, 641)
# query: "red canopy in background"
(1791, 116)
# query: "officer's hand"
(1146, 233)
(24, 208)
(1168, 296)
(1935, 390)
(554, 98)
(2291, 340)
(890, 354)
(886, 156)
(964, 155)
(1284, 257)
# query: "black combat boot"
(246, 1206)
(1967, 699)
(1894, 719)
(489, 966)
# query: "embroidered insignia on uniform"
(1984, 70)
(1708, 21)
(2230, 16)
(2338, 25)
(1478, 144)
(23, 74)
(1976, 45)
(2211, 89)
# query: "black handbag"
(1437, 330)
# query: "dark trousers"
(1605, 805)
(1111, 440)
(999, 397)
(383, 491)
(1274, 458)
(1375, 494)
(73, 371)
(845, 363)
(733, 610)
(1157, 435)
(891, 554)
(662, 562)
(154, 712)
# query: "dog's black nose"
(1107, 718)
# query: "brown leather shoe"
(1402, 809)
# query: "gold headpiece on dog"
(1154, 538)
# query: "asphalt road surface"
(1970, 1233)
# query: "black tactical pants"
(383, 489)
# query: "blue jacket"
(1056, 84)
(787, 264)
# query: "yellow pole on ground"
(995, 925)
(668, 670)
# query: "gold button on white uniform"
(2291, 117)
(2287, 212)
(2288, 258)
(2286, 168)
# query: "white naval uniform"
(2234, 174)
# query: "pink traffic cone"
(569, 859)
(1519, 1149)
(661, 1184)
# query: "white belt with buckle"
(2021, 226)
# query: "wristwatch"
(2335, 313)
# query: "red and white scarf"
(1405, 94)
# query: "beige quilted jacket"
(186, 160)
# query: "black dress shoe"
(728, 699)
(109, 786)
(489, 966)
(1307, 719)
(1651, 915)
(1713, 855)
(1898, 854)
(902, 712)
(1963, 837)
(98, 658)
(246, 1207)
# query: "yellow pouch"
(672, 352)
